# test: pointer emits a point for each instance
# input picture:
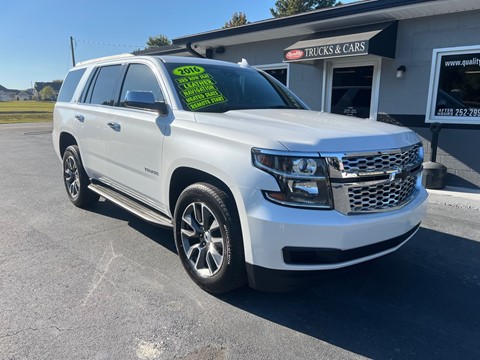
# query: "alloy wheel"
(202, 239)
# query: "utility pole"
(73, 51)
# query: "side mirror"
(145, 100)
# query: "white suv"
(257, 188)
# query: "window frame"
(437, 56)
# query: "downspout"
(193, 52)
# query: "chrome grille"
(374, 181)
(381, 196)
(382, 161)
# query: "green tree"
(292, 7)
(158, 40)
(238, 19)
(46, 93)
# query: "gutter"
(357, 9)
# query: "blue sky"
(35, 35)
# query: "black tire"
(209, 238)
(76, 180)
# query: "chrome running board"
(135, 207)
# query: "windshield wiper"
(281, 107)
(225, 108)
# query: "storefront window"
(454, 95)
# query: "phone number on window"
(458, 112)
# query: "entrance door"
(352, 89)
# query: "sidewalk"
(455, 196)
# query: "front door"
(352, 89)
(134, 140)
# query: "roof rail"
(111, 57)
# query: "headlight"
(302, 178)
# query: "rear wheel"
(209, 239)
(76, 180)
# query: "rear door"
(93, 113)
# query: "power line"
(108, 44)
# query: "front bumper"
(288, 243)
(265, 279)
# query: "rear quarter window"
(69, 85)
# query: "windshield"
(217, 88)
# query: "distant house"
(38, 86)
(23, 96)
(30, 92)
(12, 95)
(6, 94)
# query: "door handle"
(79, 117)
(115, 126)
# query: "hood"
(305, 130)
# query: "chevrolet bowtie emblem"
(399, 174)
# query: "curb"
(457, 197)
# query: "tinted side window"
(105, 86)
(70, 84)
(140, 78)
(87, 91)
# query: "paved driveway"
(101, 284)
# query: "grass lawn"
(25, 111)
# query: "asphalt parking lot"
(101, 284)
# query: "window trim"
(437, 55)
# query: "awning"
(376, 39)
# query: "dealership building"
(405, 62)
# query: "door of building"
(352, 91)
(352, 88)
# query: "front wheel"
(76, 179)
(209, 239)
